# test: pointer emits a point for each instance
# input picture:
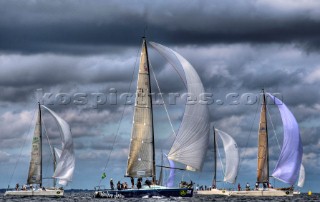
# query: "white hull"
(39, 192)
(296, 192)
(214, 192)
(261, 192)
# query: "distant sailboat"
(232, 163)
(301, 179)
(63, 166)
(190, 142)
(288, 166)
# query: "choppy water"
(87, 196)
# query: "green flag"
(103, 175)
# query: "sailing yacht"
(232, 163)
(288, 165)
(190, 142)
(301, 179)
(64, 160)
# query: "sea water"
(82, 196)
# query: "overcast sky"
(91, 47)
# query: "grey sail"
(35, 173)
(191, 142)
(141, 154)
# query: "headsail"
(192, 139)
(302, 174)
(35, 174)
(288, 166)
(57, 152)
(141, 156)
(170, 181)
(66, 162)
(263, 167)
(232, 156)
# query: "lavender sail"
(288, 166)
(170, 181)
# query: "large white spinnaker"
(232, 156)
(66, 161)
(191, 141)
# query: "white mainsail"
(232, 156)
(35, 173)
(302, 174)
(192, 139)
(66, 161)
(141, 155)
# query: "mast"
(54, 166)
(214, 182)
(161, 171)
(40, 143)
(151, 107)
(263, 148)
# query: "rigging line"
(245, 149)
(124, 108)
(46, 133)
(274, 131)
(14, 169)
(164, 104)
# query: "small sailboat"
(63, 165)
(190, 143)
(232, 163)
(288, 165)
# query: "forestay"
(232, 156)
(66, 161)
(288, 165)
(191, 142)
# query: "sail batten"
(192, 139)
(66, 158)
(289, 162)
(141, 154)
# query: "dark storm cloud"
(73, 27)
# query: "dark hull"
(144, 193)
